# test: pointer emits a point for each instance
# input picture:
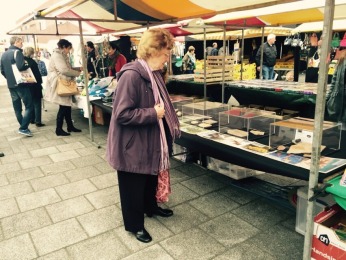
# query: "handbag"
(25, 76)
(296, 40)
(163, 186)
(288, 40)
(336, 40)
(313, 39)
(343, 41)
(314, 61)
(66, 88)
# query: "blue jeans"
(37, 110)
(267, 72)
(19, 94)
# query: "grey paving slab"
(44, 151)
(49, 181)
(185, 217)
(69, 208)
(104, 167)
(75, 189)
(24, 175)
(57, 255)
(3, 180)
(25, 222)
(280, 242)
(104, 246)
(57, 167)
(59, 235)
(101, 220)
(16, 189)
(180, 194)
(203, 184)
(105, 197)
(192, 244)
(104, 180)
(81, 173)
(214, 204)
(15, 157)
(64, 156)
(34, 162)
(37, 199)
(9, 167)
(229, 230)
(70, 146)
(8, 207)
(152, 252)
(88, 160)
(245, 251)
(17, 248)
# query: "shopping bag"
(336, 40)
(343, 41)
(163, 186)
(25, 76)
(66, 87)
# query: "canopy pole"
(86, 79)
(223, 62)
(318, 122)
(205, 62)
(262, 48)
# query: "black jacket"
(7, 59)
(269, 55)
(35, 88)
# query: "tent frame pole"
(86, 80)
(318, 122)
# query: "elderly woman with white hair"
(269, 57)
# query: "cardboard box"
(326, 244)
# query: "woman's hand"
(160, 111)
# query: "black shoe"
(73, 129)
(61, 132)
(2, 154)
(161, 212)
(40, 124)
(143, 236)
(32, 122)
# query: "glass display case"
(246, 123)
(299, 131)
(203, 114)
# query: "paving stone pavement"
(59, 199)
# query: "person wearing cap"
(269, 57)
(189, 61)
(91, 59)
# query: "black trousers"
(137, 197)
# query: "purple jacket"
(133, 143)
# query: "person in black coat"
(35, 88)
(91, 59)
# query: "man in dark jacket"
(19, 92)
(91, 59)
(269, 57)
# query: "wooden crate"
(212, 75)
(216, 61)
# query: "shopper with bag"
(59, 71)
(19, 92)
(35, 88)
(141, 133)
